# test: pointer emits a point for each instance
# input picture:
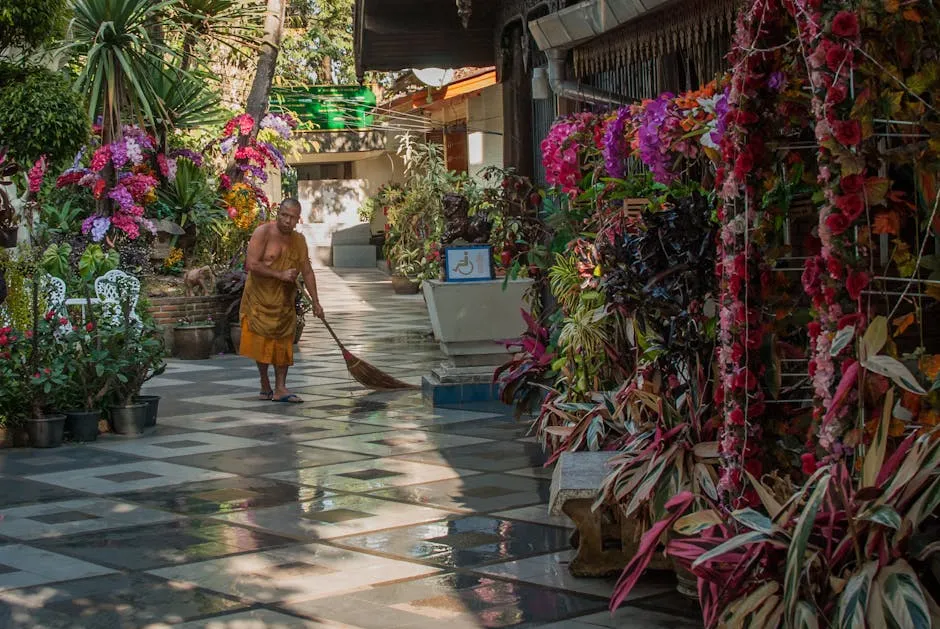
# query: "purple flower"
(652, 150)
(721, 117)
(134, 151)
(275, 154)
(616, 150)
(227, 144)
(122, 196)
(119, 155)
(193, 156)
(777, 81)
(97, 225)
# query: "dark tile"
(121, 601)
(222, 496)
(274, 432)
(149, 547)
(297, 569)
(371, 474)
(28, 461)
(334, 516)
(4, 569)
(126, 477)
(260, 460)
(394, 442)
(63, 516)
(18, 491)
(488, 491)
(670, 603)
(463, 542)
(178, 445)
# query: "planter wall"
(167, 311)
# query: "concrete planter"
(470, 319)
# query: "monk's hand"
(289, 275)
(317, 310)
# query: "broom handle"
(333, 334)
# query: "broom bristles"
(371, 376)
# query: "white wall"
(485, 114)
(375, 173)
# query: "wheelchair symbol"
(465, 266)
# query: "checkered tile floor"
(354, 509)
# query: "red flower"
(855, 283)
(49, 315)
(836, 94)
(29, 334)
(809, 464)
(852, 183)
(836, 56)
(847, 132)
(851, 319)
(89, 326)
(845, 24)
(835, 268)
(810, 278)
(736, 417)
(4, 341)
(837, 223)
(851, 205)
(63, 321)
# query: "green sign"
(327, 107)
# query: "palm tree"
(229, 23)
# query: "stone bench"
(605, 541)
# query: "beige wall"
(484, 129)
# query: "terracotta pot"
(193, 342)
(403, 285)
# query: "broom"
(365, 374)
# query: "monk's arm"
(253, 261)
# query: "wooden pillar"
(517, 106)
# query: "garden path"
(354, 509)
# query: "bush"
(40, 114)
(27, 24)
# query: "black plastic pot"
(8, 238)
(46, 432)
(82, 425)
(129, 420)
(152, 402)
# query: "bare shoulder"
(262, 231)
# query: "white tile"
(300, 520)
(36, 567)
(255, 619)
(169, 446)
(225, 419)
(403, 473)
(19, 522)
(157, 474)
(309, 572)
(395, 442)
(538, 514)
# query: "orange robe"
(268, 318)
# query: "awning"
(399, 34)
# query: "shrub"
(40, 114)
(28, 24)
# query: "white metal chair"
(115, 289)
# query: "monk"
(276, 255)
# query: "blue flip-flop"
(290, 398)
(266, 395)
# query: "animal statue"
(458, 225)
(201, 279)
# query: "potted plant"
(192, 338)
(232, 284)
(45, 374)
(89, 380)
(135, 355)
(405, 267)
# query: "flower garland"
(566, 150)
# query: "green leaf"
(893, 369)
(885, 516)
(753, 520)
(854, 599)
(796, 554)
(744, 539)
(842, 339)
(875, 337)
(875, 455)
(905, 602)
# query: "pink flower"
(36, 174)
(851, 205)
(837, 223)
(809, 464)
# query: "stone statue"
(201, 278)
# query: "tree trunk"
(258, 97)
(257, 104)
